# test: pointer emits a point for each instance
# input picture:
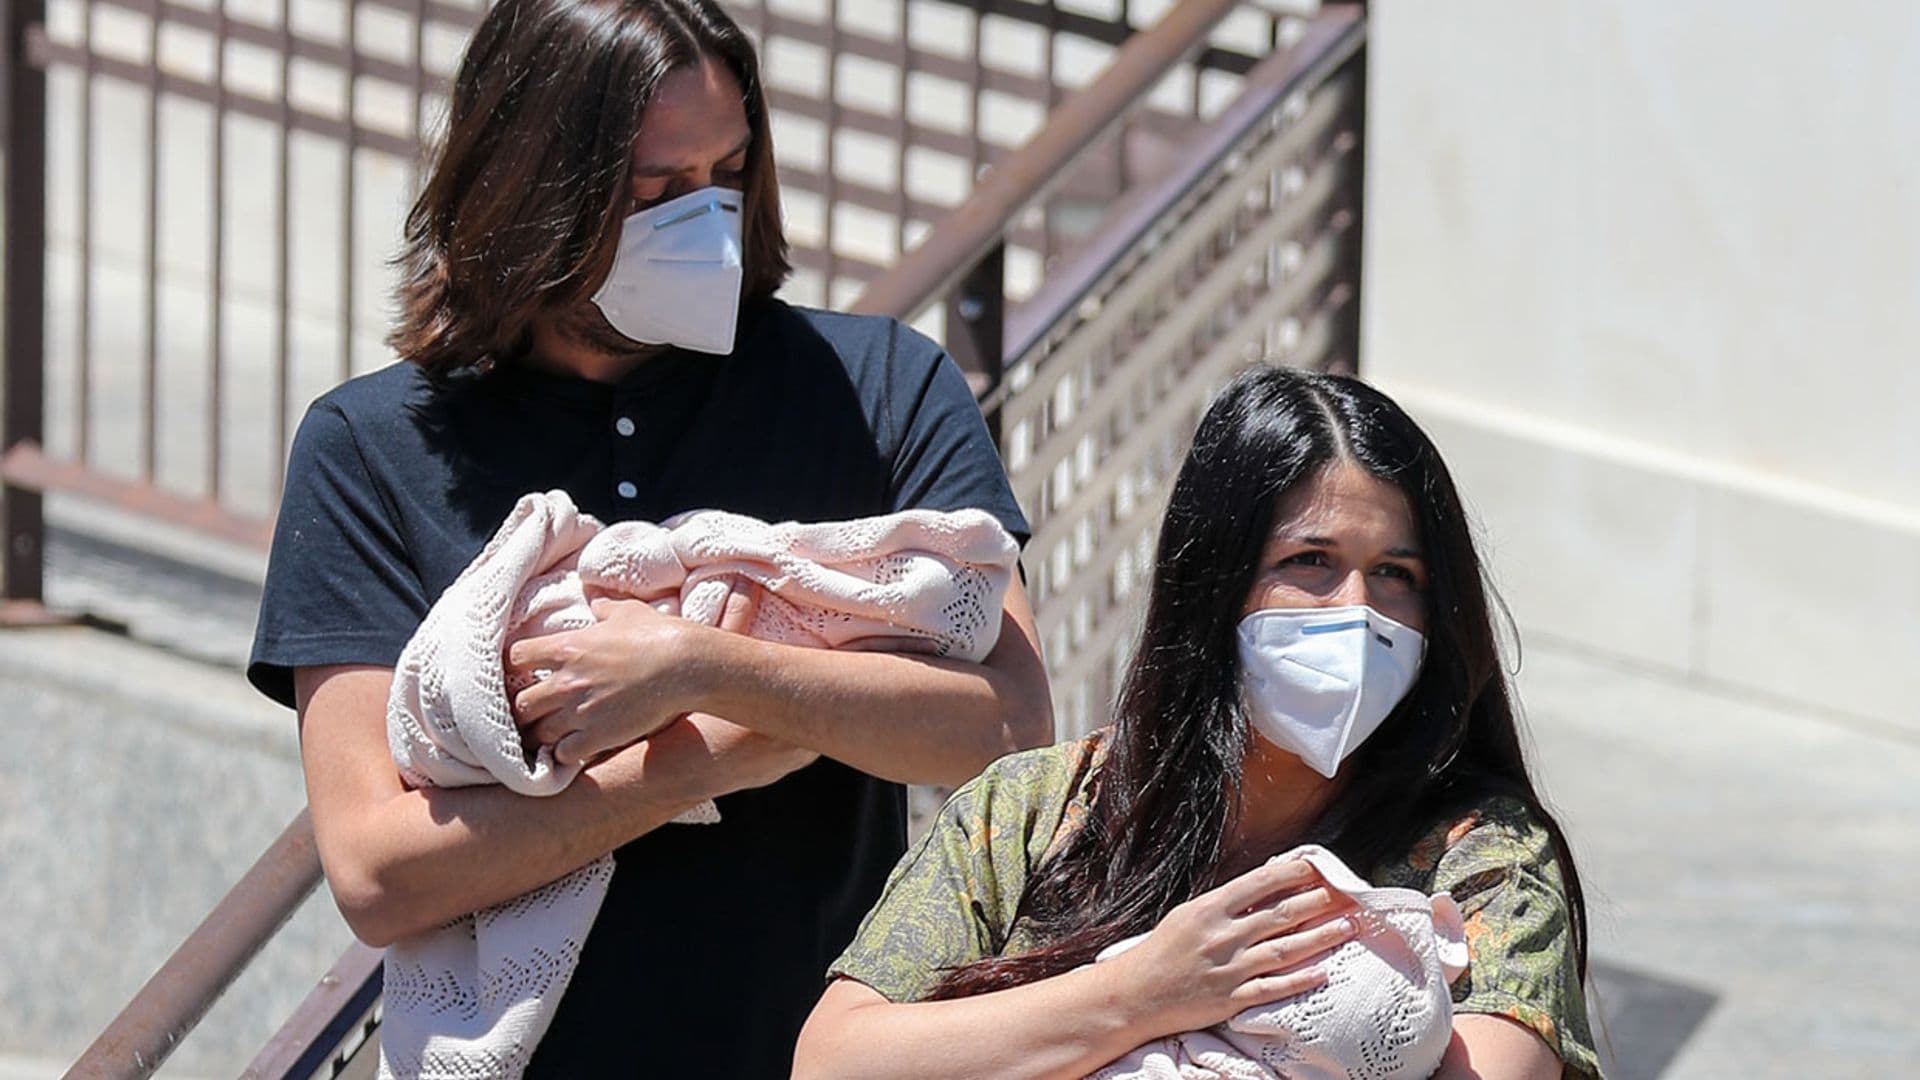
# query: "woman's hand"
(621, 679)
(1248, 942)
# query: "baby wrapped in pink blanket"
(1384, 1012)
(474, 997)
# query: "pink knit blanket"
(473, 998)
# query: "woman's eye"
(1405, 574)
(1305, 558)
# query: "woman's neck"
(1280, 800)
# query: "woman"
(1302, 493)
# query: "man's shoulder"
(857, 340)
(383, 394)
(381, 416)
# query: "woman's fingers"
(1274, 876)
(1290, 951)
(1270, 988)
(1288, 913)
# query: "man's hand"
(621, 679)
(726, 756)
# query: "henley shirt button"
(624, 425)
(627, 490)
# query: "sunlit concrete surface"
(140, 786)
(1751, 861)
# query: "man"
(553, 342)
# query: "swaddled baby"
(1384, 1011)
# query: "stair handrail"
(971, 230)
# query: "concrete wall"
(1650, 273)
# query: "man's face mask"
(676, 276)
(1318, 681)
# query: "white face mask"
(676, 277)
(1318, 681)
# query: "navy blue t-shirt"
(710, 948)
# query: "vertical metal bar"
(419, 86)
(217, 232)
(83, 294)
(283, 270)
(976, 325)
(23, 366)
(829, 174)
(1123, 163)
(1356, 187)
(150, 457)
(977, 86)
(352, 8)
(1051, 27)
(903, 133)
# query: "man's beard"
(587, 325)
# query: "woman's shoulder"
(1496, 857)
(1475, 845)
(1030, 778)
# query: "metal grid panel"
(226, 179)
(1258, 262)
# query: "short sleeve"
(941, 908)
(1500, 866)
(953, 898)
(943, 455)
(340, 588)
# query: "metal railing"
(1247, 247)
(198, 241)
(1241, 242)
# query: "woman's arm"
(1226, 950)
(900, 717)
(400, 861)
(1489, 1047)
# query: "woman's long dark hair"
(521, 210)
(1165, 801)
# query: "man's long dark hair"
(521, 210)
(1165, 801)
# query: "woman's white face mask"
(676, 277)
(1317, 681)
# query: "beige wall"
(1650, 272)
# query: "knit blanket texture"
(1384, 1012)
(473, 998)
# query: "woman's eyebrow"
(1397, 551)
(669, 170)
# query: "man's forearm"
(907, 718)
(421, 857)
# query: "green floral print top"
(951, 900)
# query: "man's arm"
(910, 718)
(401, 861)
